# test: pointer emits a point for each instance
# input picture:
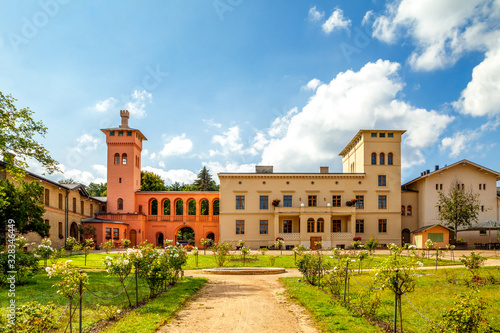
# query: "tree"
(459, 207)
(204, 182)
(67, 181)
(24, 205)
(97, 190)
(151, 182)
(17, 138)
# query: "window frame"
(360, 226)
(382, 226)
(360, 202)
(382, 180)
(287, 226)
(264, 227)
(108, 233)
(382, 202)
(336, 201)
(240, 227)
(310, 225)
(116, 233)
(287, 201)
(336, 225)
(381, 159)
(320, 225)
(240, 202)
(312, 199)
(264, 202)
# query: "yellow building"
(362, 201)
(65, 207)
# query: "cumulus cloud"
(100, 169)
(87, 143)
(482, 95)
(172, 176)
(230, 142)
(351, 101)
(315, 15)
(179, 145)
(217, 167)
(211, 122)
(312, 85)
(138, 101)
(336, 21)
(105, 105)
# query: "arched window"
(166, 207)
(120, 204)
(382, 158)
(408, 210)
(117, 158)
(153, 208)
(374, 158)
(310, 225)
(320, 225)
(179, 207)
(124, 159)
(192, 207)
(402, 210)
(204, 207)
(389, 159)
(216, 207)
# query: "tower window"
(120, 204)
(111, 133)
(117, 158)
(124, 159)
(382, 158)
(390, 135)
(120, 133)
(374, 158)
(382, 135)
(374, 135)
(389, 158)
(129, 133)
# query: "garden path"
(241, 303)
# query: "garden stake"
(396, 302)
(437, 259)
(136, 287)
(345, 282)
(196, 256)
(81, 296)
(319, 272)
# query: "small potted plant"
(276, 202)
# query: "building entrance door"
(314, 240)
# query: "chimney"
(323, 169)
(125, 115)
(263, 169)
(428, 171)
(436, 167)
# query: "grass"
(159, 310)
(432, 296)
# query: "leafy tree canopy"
(23, 205)
(151, 182)
(17, 138)
(67, 181)
(97, 190)
(204, 182)
(459, 207)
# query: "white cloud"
(103, 106)
(161, 164)
(217, 167)
(229, 141)
(171, 176)
(312, 85)
(482, 95)
(441, 30)
(87, 143)
(336, 21)
(280, 125)
(179, 145)
(138, 101)
(100, 169)
(456, 144)
(314, 15)
(351, 101)
(211, 122)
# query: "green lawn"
(432, 295)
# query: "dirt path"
(241, 303)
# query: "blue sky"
(234, 83)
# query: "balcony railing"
(290, 236)
(342, 235)
(182, 218)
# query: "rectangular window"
(441, 187)
(360, 226)
(480, 186)
(240, 202)
(382, 135)
(336, 226)
(129, 133)
(374, 135)
(382, 225)
(264, 202)
(111, 133)
(437, 187)
(120, 133)
(240, 227)
(82, 207)
(436, 237)
(264, 227)
(360, 203)
(74, 205)
(60, 201)
(320, 225)
(310, 225)
(47, 197)
(287, 226)
(312, 200)
(60, 229)
(116, 233)
(47, 222)
(390, 135)
(287, 201)
(108, 233)
(381, 180)
(482, 232)
(91, 209)
(482, 208)
(336, 201)
(484, 186)
(382, 201)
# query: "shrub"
(107, 246)
(70, 243)
(369, 302)
(221, 252)
(110, 312)
(121, 268)
(272, 260)
(371, 244)
(263, 250)
(309, 265)
(126, 243)
(44, 250)
(33, 317)
(356, 244)
(25, 266)
(334, 281)
(473, 262)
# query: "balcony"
(183, 218)
(315, 210)
(290, 236)
(342, 235)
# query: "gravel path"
(241, 303)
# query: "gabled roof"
(463, 162)
(426, 227)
